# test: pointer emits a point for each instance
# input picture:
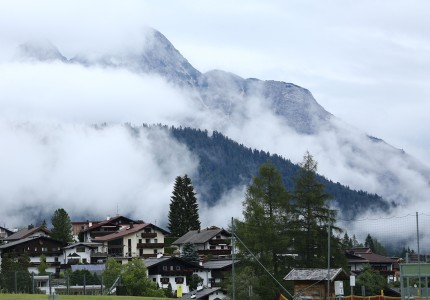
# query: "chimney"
(131, 225)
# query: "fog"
(66, 140)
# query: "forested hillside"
(225, 164)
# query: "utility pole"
(328, 261)
(232, 257)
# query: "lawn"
(71, 297)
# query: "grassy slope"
(71, 297)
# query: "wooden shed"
(311, 284)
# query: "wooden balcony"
(148, 235)
(215, 252)
(220, 241)
(150, 245)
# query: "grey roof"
(218, 264)
(152, 261)
(91, 268)
(23, 233)
(24, 240)
(201, 294)
(313, 274)
(199, 236)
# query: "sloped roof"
(367, 256)
(24, 233)
(217, 264)
(25, 240)
(106, 222)
(9, 232)
(201, 294)
(121, 233)
(153, 261)
(200, 236)
(314, 274)
(86, 244)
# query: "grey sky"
(366, 62)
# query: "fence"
(69, 284)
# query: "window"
(155, 251)
(56, 259)
(84, 260)
(179, 280)
(164, 280)
(147, 241)
(80, 249)
(155, 241)
(171, 268)
(140, 241)
(212, 247)
(44, 249)
(178, 268)
(164, 268)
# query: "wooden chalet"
(211, 241)
(312, 283)
(35, 247)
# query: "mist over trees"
(286, 230)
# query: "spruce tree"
(189, 253)
(184, 210)
(62, 226)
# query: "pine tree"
(312, 216)
(184, 210)
(62, 226)
(265, 227)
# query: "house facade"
(216, 272)
(135, 240)
(83, 253)
(211, 241)
(35, 247)
(102, 228)
(359, 258)
(170, 269)
(4, 233)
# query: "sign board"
(338, 288)
(352, 280)
(179, 291)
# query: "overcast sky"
(365, 61)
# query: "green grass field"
(71, 297)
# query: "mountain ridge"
(231, 96)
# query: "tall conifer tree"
(61, 226)
(265, 228)
(312, 216)
(184, 209)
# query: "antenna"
(117, 209)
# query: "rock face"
(228, 95)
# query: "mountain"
(228, 101)
(226, 164)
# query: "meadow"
(71, 297)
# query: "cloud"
(88, 171)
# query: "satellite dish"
(199, 288)
(159, 255)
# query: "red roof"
(121, 233)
